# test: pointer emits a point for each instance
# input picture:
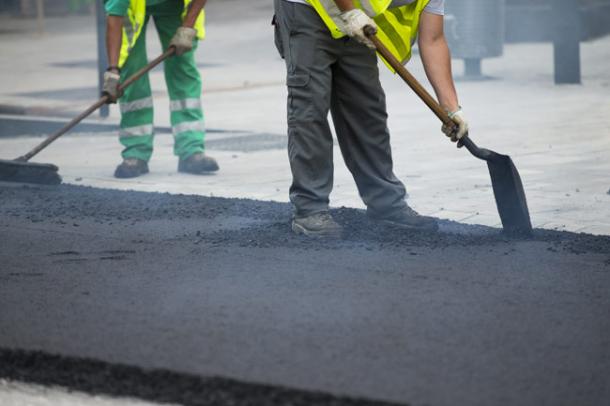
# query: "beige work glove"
(183, 40)
(354, 22)
(111, 86)
(460, 130)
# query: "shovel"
(505, 179)
(20, 170)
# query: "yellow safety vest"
(134, 21)
(397, 27)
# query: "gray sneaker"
(317, 225)
(407, 218)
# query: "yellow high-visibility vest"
(134, 21)
(397, 27)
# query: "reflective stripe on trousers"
(185, 104)
(137, 131)
(187, 126)
(140, 104)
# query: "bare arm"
(345, 5)
(114, 36)
(193, 12)
(437, 60)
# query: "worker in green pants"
(179, 23)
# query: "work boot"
(131, 168)
(197, 164)
(317, 225)
(407, 218)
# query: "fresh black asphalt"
(146, 286)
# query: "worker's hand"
(458, 131)
(183, 40)
(354, 22)
(111, 86)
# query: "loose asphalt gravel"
(154, 295)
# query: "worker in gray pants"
(339, 75)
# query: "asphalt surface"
(138, 283)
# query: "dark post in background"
(566, 41)
(102, 59)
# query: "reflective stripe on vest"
(397, 27)
(329, 12)
(134, 22)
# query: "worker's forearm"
(114, 34)
(193, 12)
(345, 5)
(437, 64)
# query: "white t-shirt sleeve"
(436, 7)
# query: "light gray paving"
(23, 394)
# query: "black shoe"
(131, 168)
(197, 164)
(407, 218)
(317, 225)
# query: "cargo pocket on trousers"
(279, 44)
(300, 102)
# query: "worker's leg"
(308, 49)
(184, 86)
(360, 118)
(136, 106)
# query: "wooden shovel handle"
(410, 80)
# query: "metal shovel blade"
(508, 190)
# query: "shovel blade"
(510, 196)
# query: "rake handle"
(103, 100)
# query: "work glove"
(111, 86)
(460, 130)
(183, 40)
(354, 22)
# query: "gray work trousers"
(339, 75)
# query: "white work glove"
(183, 40)
(111, 86)
(354, 22)
(460, 130)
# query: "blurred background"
(531, 16)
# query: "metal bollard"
(102, 58)
(566, 41)
(475, 30)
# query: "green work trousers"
(184, 87)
